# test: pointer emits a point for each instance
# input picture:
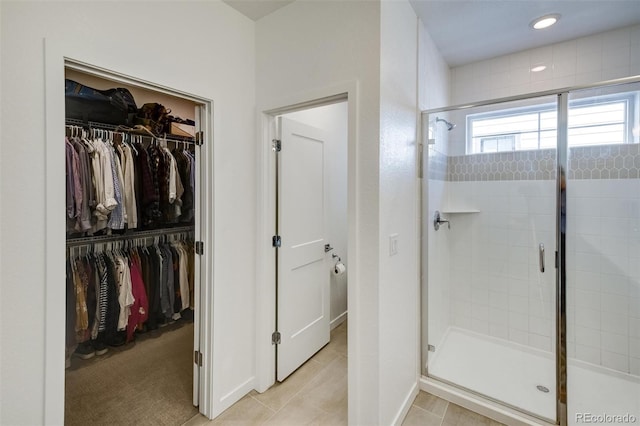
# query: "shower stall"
(531, 254)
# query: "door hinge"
(431, 348)
(276, 145)
(275, 338)
(276, 241)
(420, 160)
(199, 138)
(197, 358)
(199, 248)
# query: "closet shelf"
(128, 236)
(125, 129)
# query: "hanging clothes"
(115, 184)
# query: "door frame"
(266, 221)
(58, 57)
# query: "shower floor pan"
(518, 376)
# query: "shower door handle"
(541, 250)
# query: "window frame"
(630, 100)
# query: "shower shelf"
(461, 211)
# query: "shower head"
(450, 126)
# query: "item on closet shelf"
(112, 106)
(154, 117)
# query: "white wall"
(309, 46)
(222, 41)
(398, 319)
(603, 56)
(333, 120)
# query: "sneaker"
(99, 347)
(85, 351)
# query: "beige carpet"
(148, 382)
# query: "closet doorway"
(137, 308)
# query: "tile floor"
(316, 394)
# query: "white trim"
(265, 256)
(477, 404)
(56, 60)
(406, 405)
(339, 320)
(54, 252)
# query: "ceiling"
(256, 9)
(472, 30)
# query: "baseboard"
(478, 405)
(232, 397)
(406, 405)
(338, 320)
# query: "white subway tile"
(540, 342)
(499, 300)
(518, 321)
(615, 284)
(498, 316)
(518, 336)
(588, 354)
(541, 54)
(520, 60)
(518, 271)
(634, 347)
(589, 77)
(614, 323)
(564, 67)
(480, 297)
(584, 224)
(586, 317)
(519, 304)
(480, 326)
(588, 280)
(480, 312)
(587, 299)
(499, 330)
(564, 50)
(616, 343)
(616, 38)
(589, 62)
(587, 336)
(589, 45)
(615, 303)
(634, 367)
(615, 361)
(588, 262)
(518, 287)
(462, 321)
(614, 73)
(540, 326)
(634, 307)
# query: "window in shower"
(604, 120)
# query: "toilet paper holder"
(335, 266)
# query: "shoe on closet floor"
(85, 351)
(99, 347)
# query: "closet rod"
(125, 129)
(121, 237)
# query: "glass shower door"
(490, 267)
(603, 256)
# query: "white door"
(303, 271)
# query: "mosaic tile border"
(593, 162)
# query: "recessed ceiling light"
(539, 68)
(544, 21)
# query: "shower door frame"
(562, 159)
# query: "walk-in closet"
(134, 263)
